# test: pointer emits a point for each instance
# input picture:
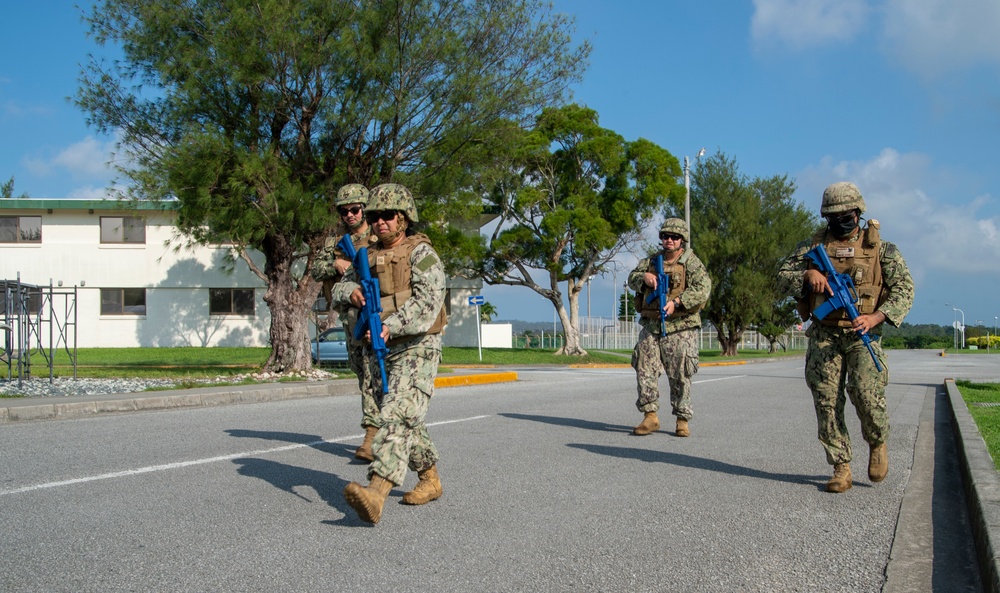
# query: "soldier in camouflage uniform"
(412, 283)
(329, 266)
(675, 351)
(836, 359)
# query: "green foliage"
(986, 418)
(742, 229)
(570, 196)
(486, 312)
(251, 115)
(915, 337)
(626, 306)
(7, 190)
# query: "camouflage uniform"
(402, 441)
(676, 351)
(836, 359)
(324, 269)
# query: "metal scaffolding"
(36, 319)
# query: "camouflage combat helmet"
(842, 196)
(352, 193)
(675, 226)
(392, 196)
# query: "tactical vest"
(678, 282)
(393, 269)
(858, 258)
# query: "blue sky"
(901, 97)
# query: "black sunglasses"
(374, 216)
(345, 211)
(671, 236)
(845, 217)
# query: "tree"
(486, 312)
(776, 324)
(571, 195)
(626, 306)
(7, 190)
(742, 229)
(252, 114)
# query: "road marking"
(718, 379)
(182, 464)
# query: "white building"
(137, 283)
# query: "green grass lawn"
(198, 363)
(987, 418)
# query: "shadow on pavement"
(701, 463)
(574, 422)
(289, 478)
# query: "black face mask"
(842, 226)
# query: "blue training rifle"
(844, 296)
(369, 318)
(662, 287)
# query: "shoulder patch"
(428, 262)
(890, 248)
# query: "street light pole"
(954, 326)
(961, 328)
(687, 195)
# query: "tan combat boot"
(368, 500)
(649, 424)
(364, 452)
(878, 463)
(841, 480)
(682, 428)
(427, 489)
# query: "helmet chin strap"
(401, 226)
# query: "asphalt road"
(545, 489)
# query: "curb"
(982, 487)
(81, 406)
(481, 379)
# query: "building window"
(20, 229)
(123, 301)
(231, 301)
(123, 229)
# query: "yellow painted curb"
(722, 364)
(480, 379)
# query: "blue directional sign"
(477, 300)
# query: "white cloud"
(936, 235)
(934, 37)
(91, 193)
(87, 159)
(807, 23)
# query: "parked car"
(330, 347)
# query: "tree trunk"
(572, 345)
(729, 339)
(290, 300)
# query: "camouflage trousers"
(837, 361)
(357, 360)
(675, 354)
(402, 441)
